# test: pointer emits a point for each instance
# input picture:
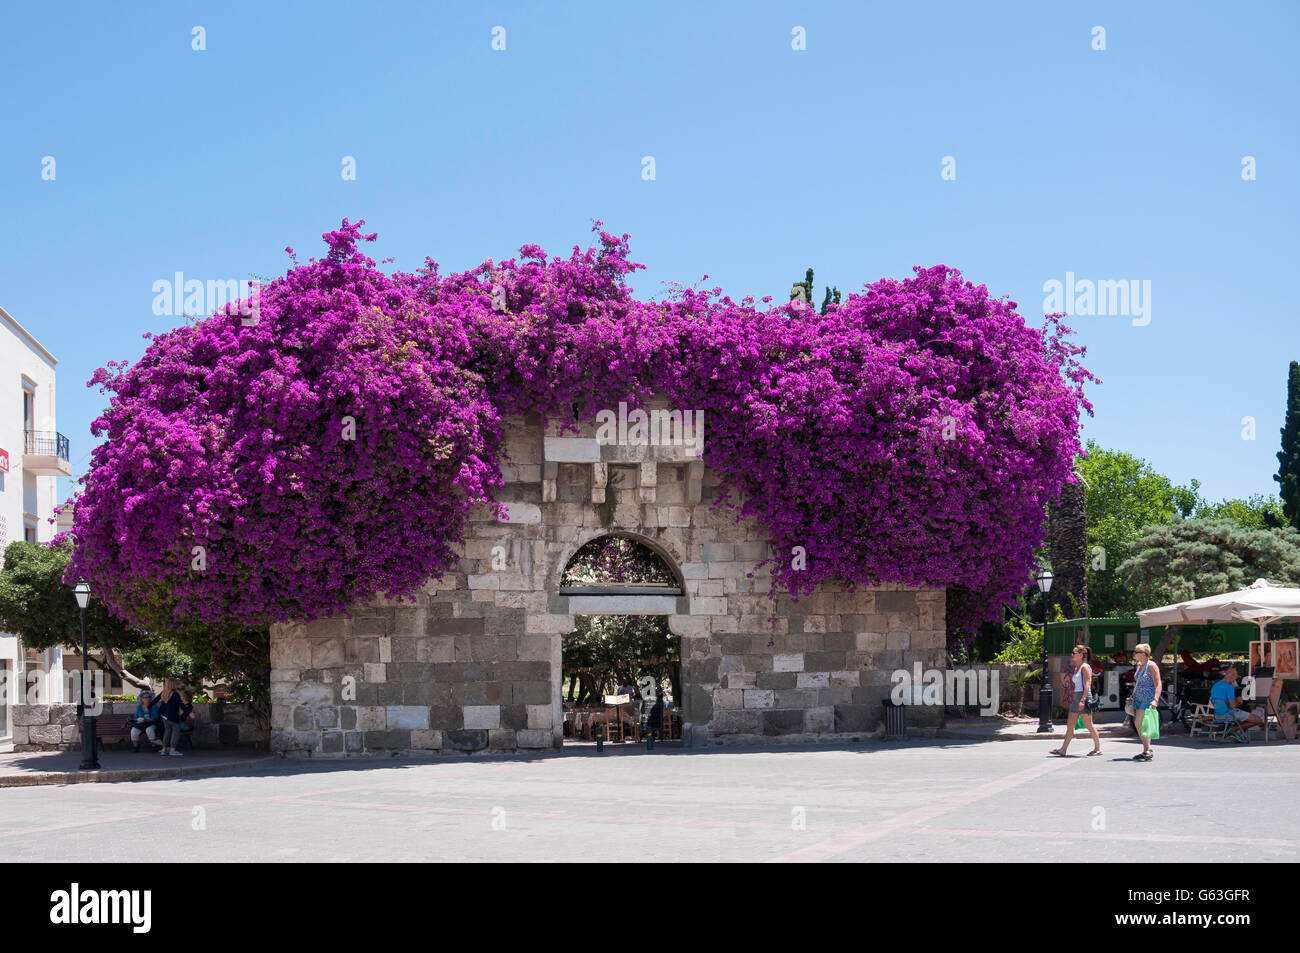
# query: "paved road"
(926, 800)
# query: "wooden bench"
(113, 726)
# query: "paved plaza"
(911, 801)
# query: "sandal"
(1058, 752)
(1094, 753)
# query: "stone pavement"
(991, 729)
(910, 801)
(61, 767)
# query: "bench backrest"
(112, 724)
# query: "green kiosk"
(1113, 640)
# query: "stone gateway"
(474, 663)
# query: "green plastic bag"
(1151, 723)
(1078, 725)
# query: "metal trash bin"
(895, 719)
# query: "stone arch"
(671, 560)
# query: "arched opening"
(620, 564)
(621, 665)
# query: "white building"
(33, 455)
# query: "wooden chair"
(1204, 725)
(671, 723)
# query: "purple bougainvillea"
(283, 468)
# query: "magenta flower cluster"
(283, 468)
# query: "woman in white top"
(1080, 701)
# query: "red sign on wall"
(4, 461)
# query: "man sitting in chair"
(1226, 704)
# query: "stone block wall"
(44, 727)
(473, 663)
(55, 727)
(1008, 691)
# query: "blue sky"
(1122, 164)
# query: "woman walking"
(1080, 700)
(1146, 689)
(173, 710)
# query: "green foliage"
(1026, 676)
(803, 290)
(1197, 558)
(1254, 512)
(1025, 643)
(607, 651)
(1288, 471)
(38, 606)
(1126, 498)
(160, 659)
(1124, 495)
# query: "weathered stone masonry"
(474, 662)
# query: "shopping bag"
(1151, 723)
(1078, 725)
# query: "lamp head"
(82, 591)
(1044, 581)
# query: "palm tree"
(1067, 536)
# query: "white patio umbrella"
(1261, 603)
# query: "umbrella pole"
(1176, 635)
(1262, 636)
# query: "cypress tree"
(803, 290)
(1288, 471)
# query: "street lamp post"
(1044, 581)
(88, 760)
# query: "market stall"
(1260, 604)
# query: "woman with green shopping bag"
(1146, 689)
(1080, 700)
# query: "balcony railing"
(47, 443)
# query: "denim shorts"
(1090, 704)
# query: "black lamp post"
(1044, 580)
(88, 760)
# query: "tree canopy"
(1127, 497)
(1125, 494)
(1194, 558)
(37, 604)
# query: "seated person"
(145, 720)
(187, 725)
(1226, 704)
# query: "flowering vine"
(283, 468)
